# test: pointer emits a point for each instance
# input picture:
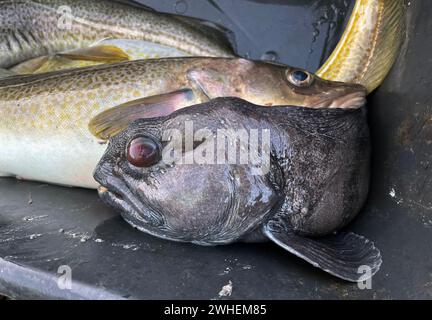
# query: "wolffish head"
(314, 164)
(176, 188)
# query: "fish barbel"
(34, 28)
(44, 130)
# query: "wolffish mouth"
(103, 190)
(110, 192)
(114, 200)
(126, 202)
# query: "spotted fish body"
(43, 27)
(370, 44)
(44, 131)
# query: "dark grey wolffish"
(317, 183)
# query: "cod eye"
(143, 152)
(299, 78)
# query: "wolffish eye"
(143, 152)
(299, 78)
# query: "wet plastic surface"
(43, 227)
(300, 33)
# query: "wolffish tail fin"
(345, 255)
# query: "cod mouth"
(352, 98)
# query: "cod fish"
(369, 45)
(316, 183)
(35, 28)
(365, 53)
(54, 125)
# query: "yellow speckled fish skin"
(370, 44)
(44, 27)
(44, 132)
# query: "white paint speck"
(126, 246)
(34, 236)
(392, 193)
(226, 290)
(226, 271)
(34, 218)
(129, 246)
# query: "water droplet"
(181, 7)
(270, 56)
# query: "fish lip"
(353, 98)
(114, 192)
(115, 200)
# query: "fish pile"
(85, 104)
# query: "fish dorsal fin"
(112, 121)
(345, 255)
(102, 53)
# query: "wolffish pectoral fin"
(345, 255)
(112, 121)
(100, 53)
